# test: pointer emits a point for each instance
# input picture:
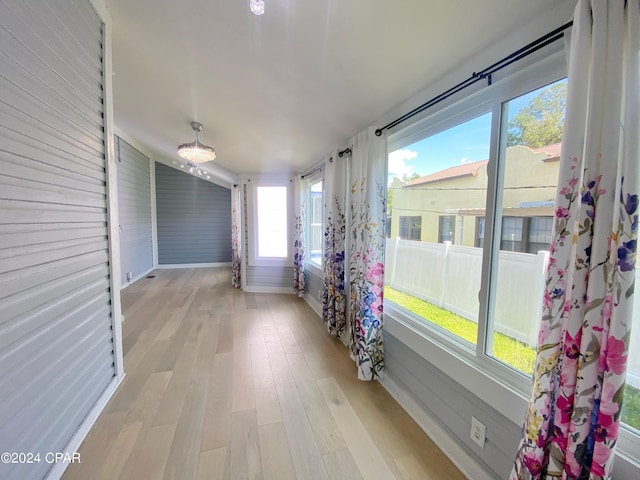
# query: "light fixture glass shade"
(196, 152)
(257, 6)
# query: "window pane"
(404, 227)
(480, 232)
(410, 228)
(315, 223)
(416, 228)
(437, 192)
(540, 229)
(631, 403)
(511, 234)
(272, 222)
(447, 228)
(529, 168)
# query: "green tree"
(413, 176)
(540, 122)
(405, 179)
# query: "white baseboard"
(72, 447)
(315, 305)
(136, 278)
(259, 289)
(457, 454)
(193, 265)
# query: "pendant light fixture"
(196, 152)
(257, 7)
(193, 169)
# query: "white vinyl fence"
(448, 276)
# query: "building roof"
(464, 170)
(552, 151)
(471, 169)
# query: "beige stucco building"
(450, 204)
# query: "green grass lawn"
(506, 349)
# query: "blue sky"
(468, 142)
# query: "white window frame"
(254, 259)
(314, 268)
(501, 386)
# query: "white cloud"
(464, 160)
(397, 163)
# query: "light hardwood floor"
(223, 384)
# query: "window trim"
(254, 259)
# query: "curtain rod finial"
(342, 152)
(378, 132)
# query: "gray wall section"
(314, 285)
(56, 339)
(134, 209)
(194, 219)
(452, 406)
(270, 277)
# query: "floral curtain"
(334, 300)
(574, 410)
(299, 285)
(236, 253)
(367, 216)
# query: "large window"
(482, 173)
(444, 173)
(315, 216)
(269, 204)
(446, 183)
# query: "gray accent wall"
(134, 208)
(56, 338)
(194, 219)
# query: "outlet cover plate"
(478, 431)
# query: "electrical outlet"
(478, 432)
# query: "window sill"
(314, 269)
(457, 364)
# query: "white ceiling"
(277, 92)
